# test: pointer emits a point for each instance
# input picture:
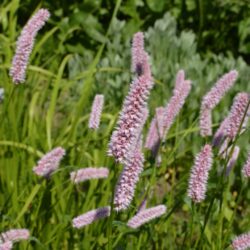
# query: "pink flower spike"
(232, 159)
(125, 188)
(205, 122)
(199, 174)
(241, 242)
(15, 235)
(152, 140)
(159, 113)
(220, 133)
(180, 78)
(25, 44)
(132, 116)
(88, 173)
(138, 53)
(213, 97)
(246, 168)
(96, 111)
(90, 217)
(236, 115)
(175, 104)
(6, 245)
(146, 215)
(49, 162)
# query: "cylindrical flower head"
(146, 215)
(90, 217)
(246, 168)
(236, 115)
(49, 162)
(137, 52)
(159, 114)
(15, 235)
(88, 173)
(95, 116)
(175, 104)
(180, 78)
(241, 242)
(213, 97)
(25, 44)
(125, 188)
(131, 117)
(152, 139)
(199, 174)
(6, 245)
(205, 122)
(232, 159)
(220, 133)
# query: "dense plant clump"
(176, 172)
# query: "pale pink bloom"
(220, 133)
(241, 242)
(205, 122)
(180, 78)
(175, 104)
(132, 116)
(152, 139)
(25, 44)
(233, 159)
(236, 115)
(125, 188)
(137, 52)
(88, 173)
(91, 216)
(146, 215)
(49, 162)
(213, 97)
(15, 235)
(6, 245)
(142, 206)
(159, 114)
(246, 168)
(96, 111)
(199, 174)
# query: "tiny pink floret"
(25, 45)
(49, 162)
(90, 217)
(146, 215)
(96, 111)
(241, 242)
(88, 173)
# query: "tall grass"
(52, 109)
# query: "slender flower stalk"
(236, 115)
(132, 115)
(246, 168)
(15, 235)
(175, 104)
(241, 242)
(146, 215)
(205, 122)
(88, 173)
(125, 188)
(25, 45)
(199, 174)
(96, 111)
(91, 216)
(137, 52)
(6, 245)
(214, 96)
(49, 162)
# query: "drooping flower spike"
(199, 174)
(49, 162)
(95, 115)
(88, 173)
(241, 242)
(25, 44)
(146, 215)
(90, 217)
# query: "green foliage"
(76, 56)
